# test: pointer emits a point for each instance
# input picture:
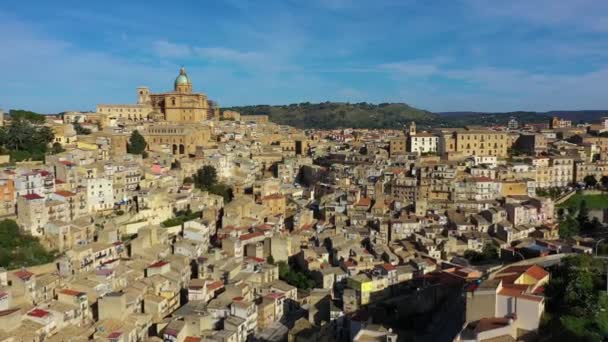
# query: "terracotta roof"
(256, 259)
(364, 202)
(30, 197)
(65, 193)
(39, 313)
(509, 292)
(274, 295)
(115, 335)
(250, 236)
(215, 285)
(389, 267)
(536, 272)
(71, 292)
(192, 339)
(24, 274)
(158, 264)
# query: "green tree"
(604, 181)
(568, 227)
(26, 115)
(137, 143)
(490, 252)
(80, 130)
(576, 305)
(19, 135)
(222, 190)
(590, 181)
(57, 148)
(205, 177)
(270, 259)
(583, 215)
(20, 250)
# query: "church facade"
(181, 105)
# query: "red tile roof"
(389, 267)
(39, 313)
(71, 292)
(24, 274)
(536, 272)
(65, 193)
(192, 339)
(250, 236)
(30, 197)
(115, 335)
(215, 285)
(364, 202)
(158, 264)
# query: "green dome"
(182, 78)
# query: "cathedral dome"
(182, 78)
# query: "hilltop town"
(171, 220)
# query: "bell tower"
(143, 95)
(412, 129)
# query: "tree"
(23, 140)
(583, 215)
(590, 181)
(576, 304)
(57, 148)
(604, 181)
(490, 252)
(188, 180)
(137, 143)
(26, 115)
(568, 227)
(79, 129)
(270, 260)
(205, 177)
(20, 250)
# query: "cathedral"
(181, 105)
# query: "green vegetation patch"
(181, 218)
(21, 250)
(599, 201)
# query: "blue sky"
(440, 55)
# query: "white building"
(422, 143)
(100, 194)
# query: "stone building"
(179, 105)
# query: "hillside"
(575, 115)
(383, 115)
(458, 119)
(341, 115)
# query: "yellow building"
(178, 139)
(363, 285)
(477, 142)
(179, 105)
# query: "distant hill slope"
(342, 115)
(458, 119)
(575, 115)
(383, 115)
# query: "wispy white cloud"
(410, 68)
(230, 55)
(166, 49)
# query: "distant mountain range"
(396, 115)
